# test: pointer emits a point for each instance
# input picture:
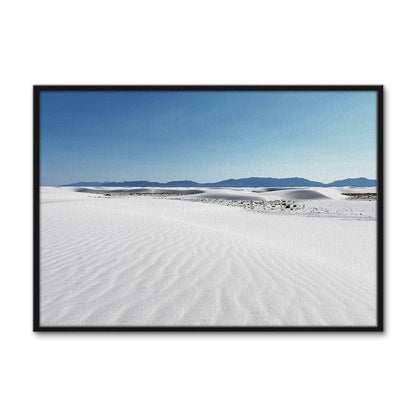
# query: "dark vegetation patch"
(142, 191)
(367, 196)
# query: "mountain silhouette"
(253, 182)
(354, 182)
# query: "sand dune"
(305, 194)
(140, 260)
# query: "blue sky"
(206, 136)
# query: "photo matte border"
(37, 89)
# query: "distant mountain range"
(243, 182)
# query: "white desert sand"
(207, 259)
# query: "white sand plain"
(213, 258)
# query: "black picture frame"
(37, 89)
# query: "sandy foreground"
(217, 257)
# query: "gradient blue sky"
(206, 136)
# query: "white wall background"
(231, 42)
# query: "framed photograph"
(208, 208)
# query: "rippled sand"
(144, 260)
